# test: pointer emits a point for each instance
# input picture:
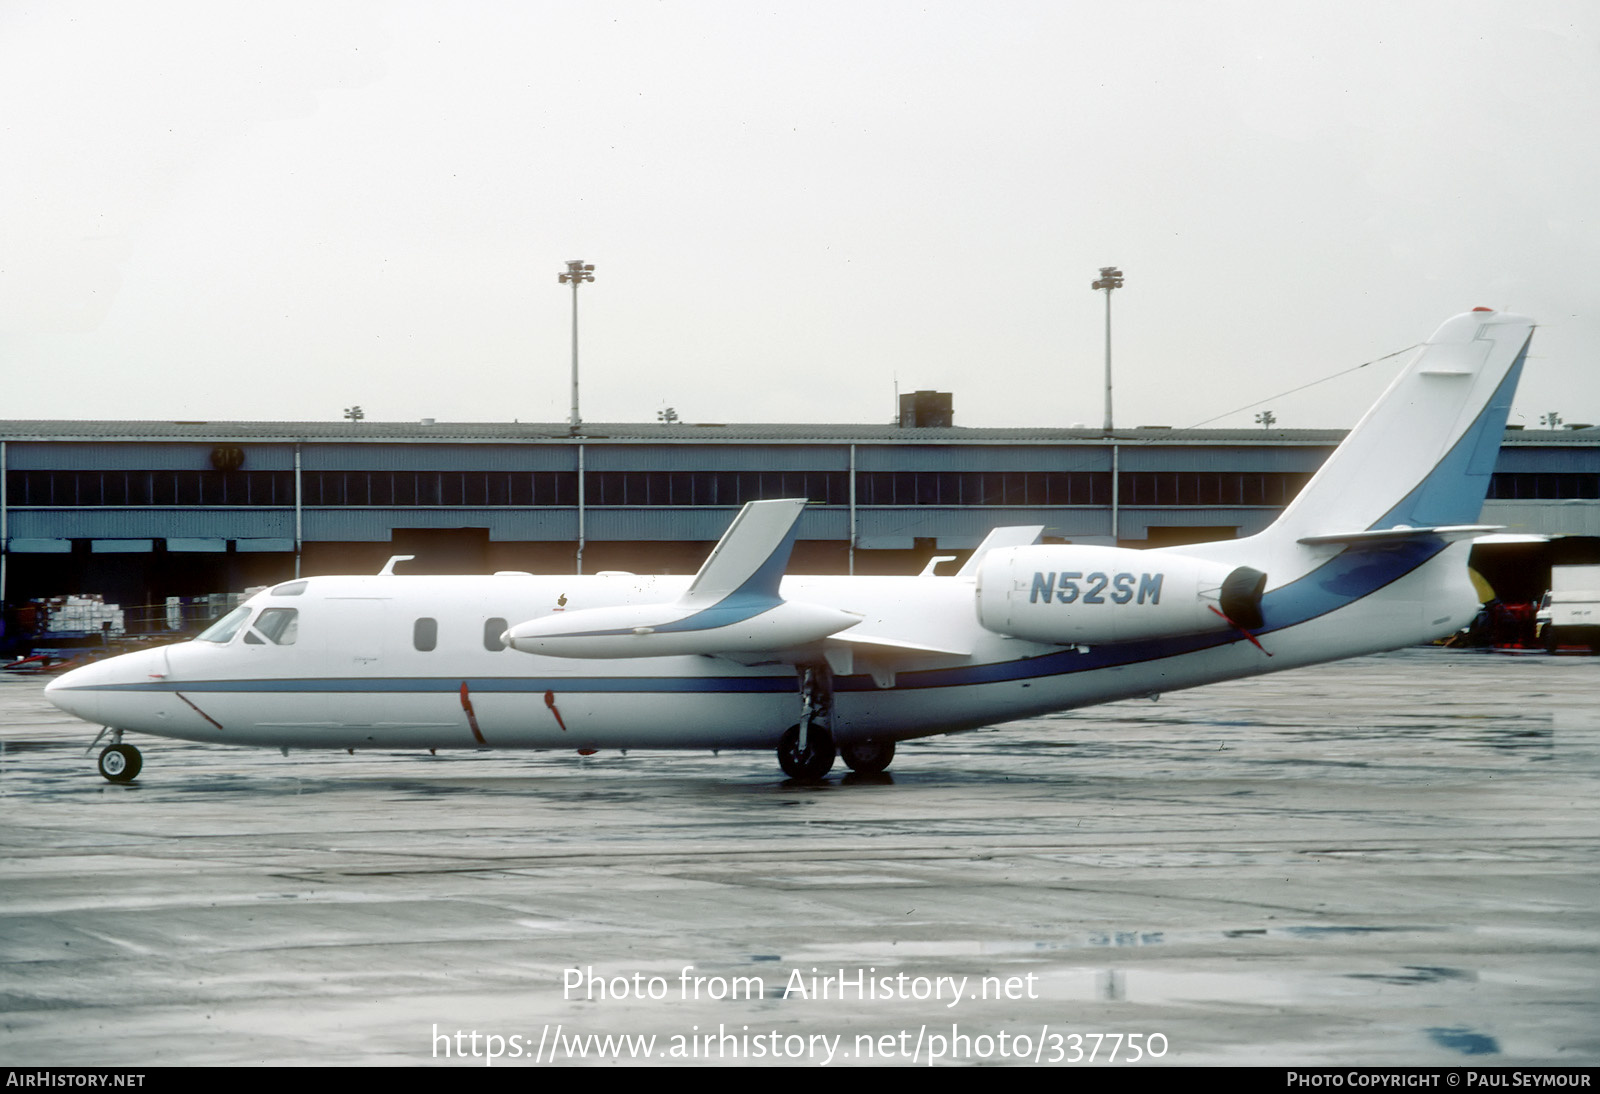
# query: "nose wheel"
(120, 763)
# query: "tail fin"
(1422, 456)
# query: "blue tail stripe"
(1453, 492)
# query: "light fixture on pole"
(1110, 278)
(577, 273)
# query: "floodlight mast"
(1110, 278)
(577, 273)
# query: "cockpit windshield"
(225, 628)
(277, 626)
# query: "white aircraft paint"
(1370, 556)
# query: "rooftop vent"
(926, 410)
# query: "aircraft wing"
(894, 647)
(881, 658)
(852, 653)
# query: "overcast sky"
(275, 210)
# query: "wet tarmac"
(1394, 860)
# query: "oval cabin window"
(492, 630)
(425, 634)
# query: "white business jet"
(1370, 556)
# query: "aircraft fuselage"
(356, 673)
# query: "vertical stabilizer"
(1422, 456)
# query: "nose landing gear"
(119, 763)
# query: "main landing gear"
(868, 757)
(806, 751)
(119, 763)
(807, 762)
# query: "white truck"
(1569, 615)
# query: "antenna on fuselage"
(388, 567)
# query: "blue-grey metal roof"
(678, 433)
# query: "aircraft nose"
(74, 692)
(89, 692)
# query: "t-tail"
(1370, 537)
(1374, 529)
(1419, 462)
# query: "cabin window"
(425, 634)
(492, 630)
(223, 630)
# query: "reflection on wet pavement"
(1392, 860)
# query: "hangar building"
(141, 511)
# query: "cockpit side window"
(280, 626)
(223, 630)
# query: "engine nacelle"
(1068, 593)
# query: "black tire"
(812, 764)
(120, 763)
(868, 757)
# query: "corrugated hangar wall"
(141, 511)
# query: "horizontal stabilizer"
(1383, 536)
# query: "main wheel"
(120, 763)
(812, 764)
(868, 757)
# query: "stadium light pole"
(1110, 278)
(577, 273)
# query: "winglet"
(749, 560)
